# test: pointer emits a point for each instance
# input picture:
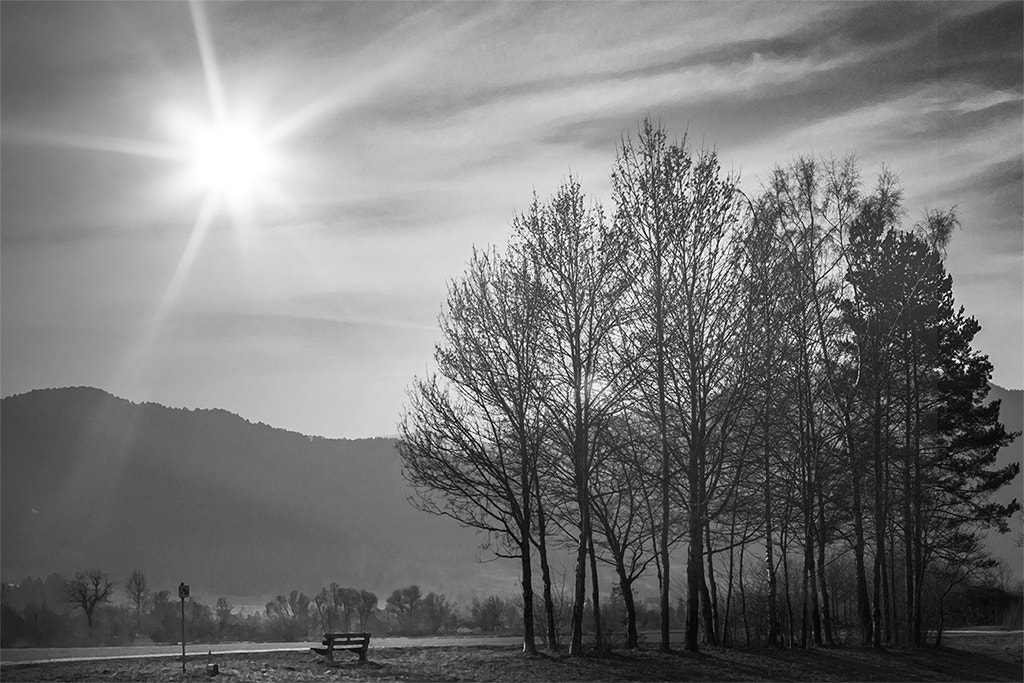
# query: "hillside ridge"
(84, 389)
(89, 479)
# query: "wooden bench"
(359, 642)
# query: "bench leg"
(362, 653)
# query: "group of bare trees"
(784, 374)
(292, 616)
(342, 606)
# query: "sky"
(298, 283)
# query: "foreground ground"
(996, 657)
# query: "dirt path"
(41, 655)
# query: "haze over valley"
(241, 509)
(234, 508)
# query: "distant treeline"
(46, 613)
(57, 611)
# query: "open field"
(25, 655)
(989, 657)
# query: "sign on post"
(183, 593)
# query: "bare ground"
(996, 657)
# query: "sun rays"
(221, 159)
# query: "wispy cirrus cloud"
(414, 131)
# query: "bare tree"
(365, 607)
(680, 213)
(767, 348)
(489, 614)
(87, 590)
(647, 182)
(438, 614)
(347, 601)
(705, 335)
(138, 592)
(326, 607)
(810, 206)
(224, 615)
(579, 258)
(404, 603)
(470, 440)
(623, 486)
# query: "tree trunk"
(529, 642)
(918, 550)
(879, 571)
(695, 560)
(811, 606)
(710, 594)
(805, 608)
(659, 328)
(726, 639)
(918, 545)
(888, 577)
(863, 602)
(785, 580)
(706, 617)
(880, 566)
(579, 596)
(766, 440)
(545, 570)
(743, 603)
(889, 592)
(908, 568)
(580, 587)
(810, 584)
(822, 586)
(596, 592)
(626, 587)
(769, 561)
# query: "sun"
(228, 157)
(231, 159)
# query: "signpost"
(183, 593)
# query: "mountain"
(205, 497)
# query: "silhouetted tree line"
(782, 384)
(83, 611)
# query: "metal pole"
(183, 635)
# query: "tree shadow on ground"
(818, 664)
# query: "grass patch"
(995, 657)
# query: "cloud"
(849, 57)
(415, 130)
(1001, 182)
(981, 42)
(363, 335)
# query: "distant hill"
(241, 509)
(203, 496)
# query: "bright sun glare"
(230, 159)
(226, 153)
